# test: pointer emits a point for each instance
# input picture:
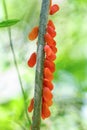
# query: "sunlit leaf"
(8, 23)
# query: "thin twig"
(15, 62)
(40, 66)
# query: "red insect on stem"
(34, 33)
(54, 9)
(32, 60)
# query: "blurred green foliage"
(8, 23)
(69, 110)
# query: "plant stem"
(40, 66)
(15, 62)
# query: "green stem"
(15, 62)
(40, 66)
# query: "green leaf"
(8, 23)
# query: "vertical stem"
(40, 66)
(15, 62)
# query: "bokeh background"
(69, 110)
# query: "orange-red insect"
(51, 31)
(49, 64)
(47, 83)
(48, 39)
(31, 106)
(32, 60)
(48, 74)
(45, 111)
(54, 9)
(50, 55)
(50, 23)
(54, 49)
(34, 33)
(47, 95)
